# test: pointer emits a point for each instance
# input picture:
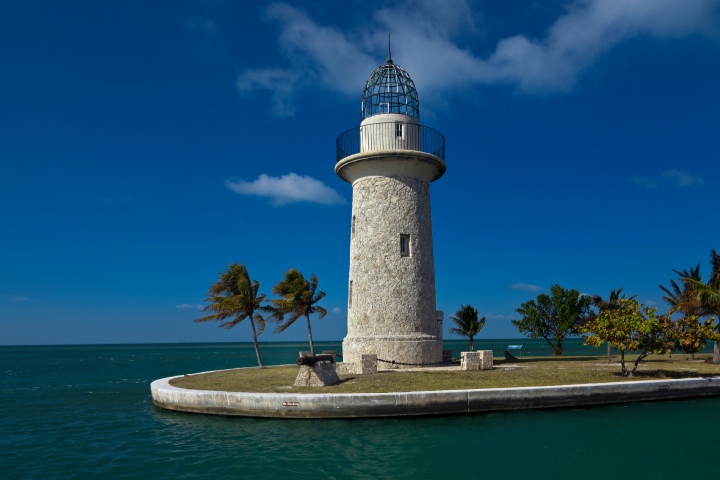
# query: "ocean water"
(86, 412)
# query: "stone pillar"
(368, 364)
(447, 356)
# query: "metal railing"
(390, 136)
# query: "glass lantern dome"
(390, 90)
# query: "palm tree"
(678, 298)
(706, 296)
(610, 304)
(298, 297)
(234, 296)
(467, 323)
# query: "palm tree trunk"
(716, 353)
(609, 353)
(312, 349)
(257, 348)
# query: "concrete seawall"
(357, 405)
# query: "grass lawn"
(526, 372)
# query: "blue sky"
(146, 145)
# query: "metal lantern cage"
(390, 90)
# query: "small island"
(529, 383)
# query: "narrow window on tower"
(350, 296)
(398, 130)
(352, 228)
(404, 245)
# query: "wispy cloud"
(336, 310)
(340, 59)
(189, 306)
(683, 179)
(282, 83)
(644, 182)
(526, 287)
(672, 177)
(286, 189)
(19, 299)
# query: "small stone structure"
(318, 375)
(447, 356)
(479, 360)
(368, 364)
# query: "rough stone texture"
(318, 375)
(447, 356)
(368, 364)
(345, 368)
(391, 309)
(478, 360)
(470, 360)
(487, 360)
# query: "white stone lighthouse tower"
(390, 160)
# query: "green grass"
(531, 371)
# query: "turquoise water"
(86, 412)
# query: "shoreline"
(438, 402)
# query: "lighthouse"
(390, 161)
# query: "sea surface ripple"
(85, 411)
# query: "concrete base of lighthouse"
(408, 349)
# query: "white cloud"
(682, 179)
(19, 299)
(188, 306)
(340, 59)
(286, 189)
(336, 310)
(526, 287)
(283, 84)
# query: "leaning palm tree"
(679, 298)
(298, 297)
(606, 305)
(468, 324)
(706, 297)
(234, 297)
